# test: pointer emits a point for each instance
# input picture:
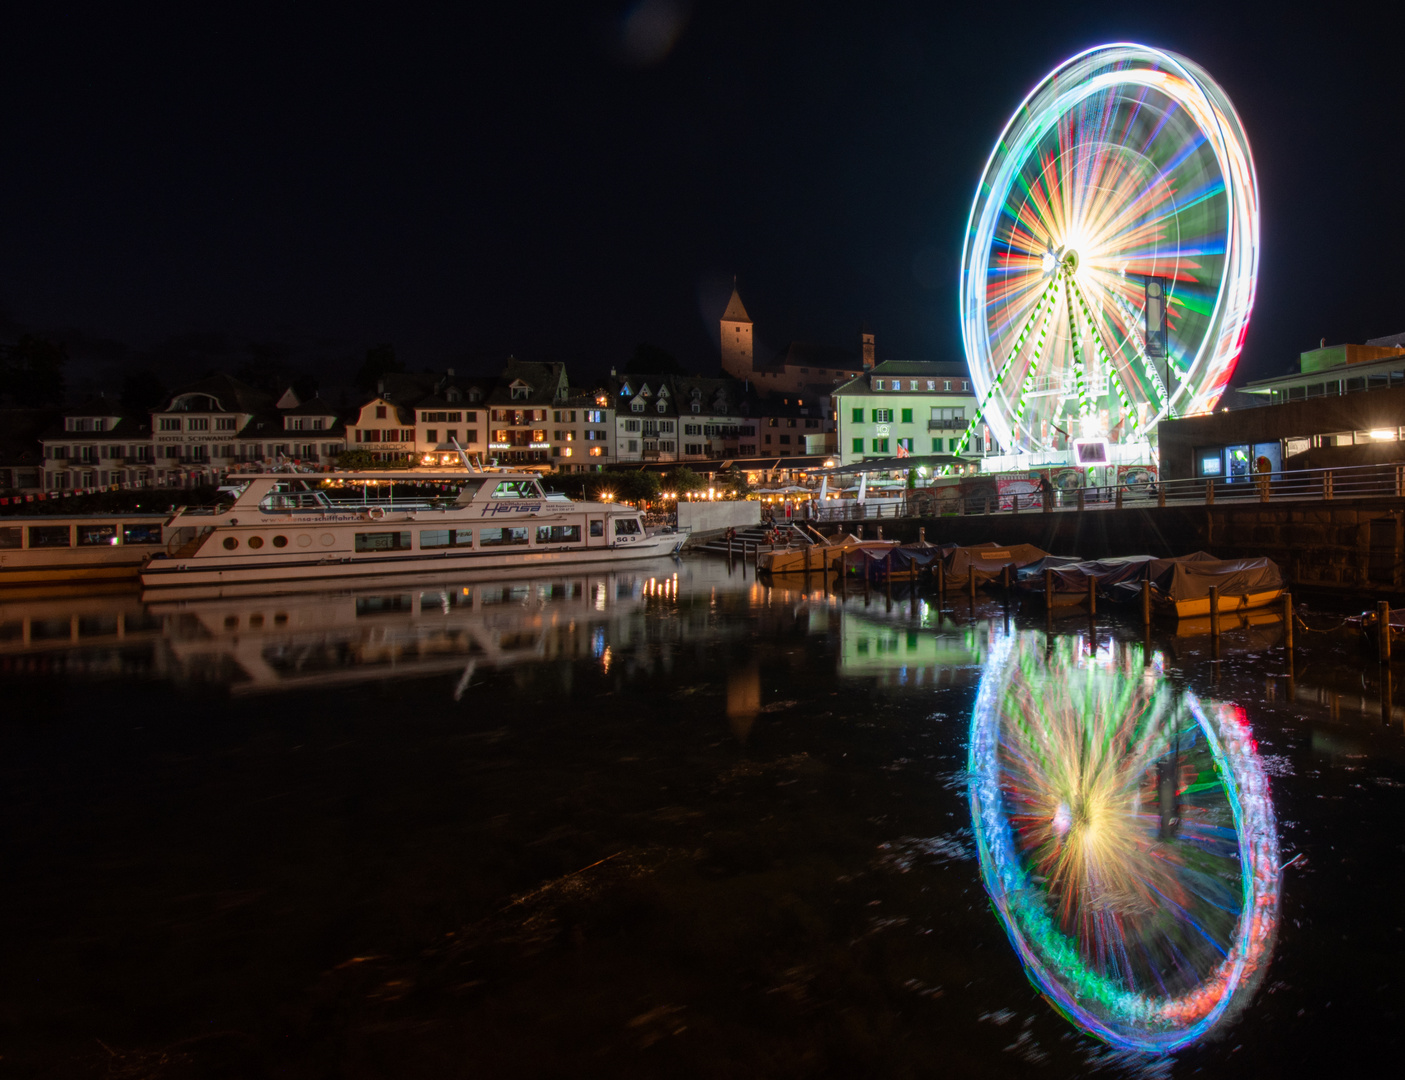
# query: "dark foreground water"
(668, 821)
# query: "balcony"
(947, 425)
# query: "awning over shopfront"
(893, 464)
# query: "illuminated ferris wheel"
(1111, 253)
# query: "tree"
(683, 480)
(31, 372)
(356, 459)
(142, 391)
(380, 360)
(265, 368)
(734, 481)
(635, 486)
(652, 360)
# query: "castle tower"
(866, 338)
(736, 339)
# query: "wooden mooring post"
(1049, 589)
(1288, 621)
(1215, 613)
(1383, 631)
(1092, 595)
(1146, 602)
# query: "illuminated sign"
(499, 446)
(539, 446)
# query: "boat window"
(141, 534)
(445, 538)
(626, 526)
(48, 536)
(382, 541)
(501, 537)
(517, 489)
(230, 543)
(11, 537)
(469, 490)
(558, 534)
(256, 542)
(597, 528)
(295, 500)
(97, 535)
(280, 541)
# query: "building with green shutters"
(902, 407)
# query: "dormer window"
(697, 407)
(521, 391)
(878, 384)
(636, 406)
(454, 395)
(662, 406)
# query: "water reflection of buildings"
(312, 640)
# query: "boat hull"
(165, 572)
(1194, 608)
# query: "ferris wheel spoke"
(1114, 379)
(1014, 352)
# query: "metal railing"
(1312, 485)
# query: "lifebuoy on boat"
(375, 513)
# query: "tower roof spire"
(736, 311)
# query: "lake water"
(671, 821)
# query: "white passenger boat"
(286, 527)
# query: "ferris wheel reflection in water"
(1126, 838)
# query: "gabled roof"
(313, 406)
(736, 311)
(231, 394)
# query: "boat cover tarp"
(1072, 577)
(1129, 590)
(986, 561)
(1190, 577)
(894, 558)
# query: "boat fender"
(375, 513)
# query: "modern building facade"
(904, 407)
(1344, 406)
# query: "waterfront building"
(96, 443)
(419, 416)
(646, 419)
(798, 426)
(583, 430)
(907, 407)
(1345, 405)
(520, 408)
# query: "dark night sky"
(553, 182)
